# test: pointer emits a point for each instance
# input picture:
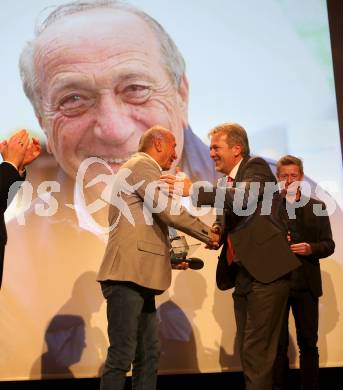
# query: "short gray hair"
(290, 160)
(172, 58)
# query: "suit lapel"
(240, 171)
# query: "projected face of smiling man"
(101, 82)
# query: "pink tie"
(229, 181)
(230, 254)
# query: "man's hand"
(214, 234)
(32, 152)
(303, 248)
(181, 266)
(15, 148)
(3, 146)
(179, 184)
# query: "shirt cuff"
(21, 171)
(13, 165)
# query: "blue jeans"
(133, 337)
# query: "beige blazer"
(140, 213)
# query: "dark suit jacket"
(316, 231)
(8, 175)
(259, 241)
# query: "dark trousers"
(305, 311)
(133, 337)
(259, 311)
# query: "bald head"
(153, 134)
(160, 144)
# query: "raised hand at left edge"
(32, 152)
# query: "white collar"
(234, 170)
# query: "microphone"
(193, 262)
(180, 249)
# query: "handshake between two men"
(181, 185)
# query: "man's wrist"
(217, 226)
(22, 171)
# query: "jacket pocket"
(151, 247)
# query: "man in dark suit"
(310, 239)
(255, 258)
(17, 152)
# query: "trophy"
(181, 250)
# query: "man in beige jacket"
(136, 265)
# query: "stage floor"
(330, 379)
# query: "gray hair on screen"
(171, 56)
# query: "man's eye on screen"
(136, 94)
(73, 105)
